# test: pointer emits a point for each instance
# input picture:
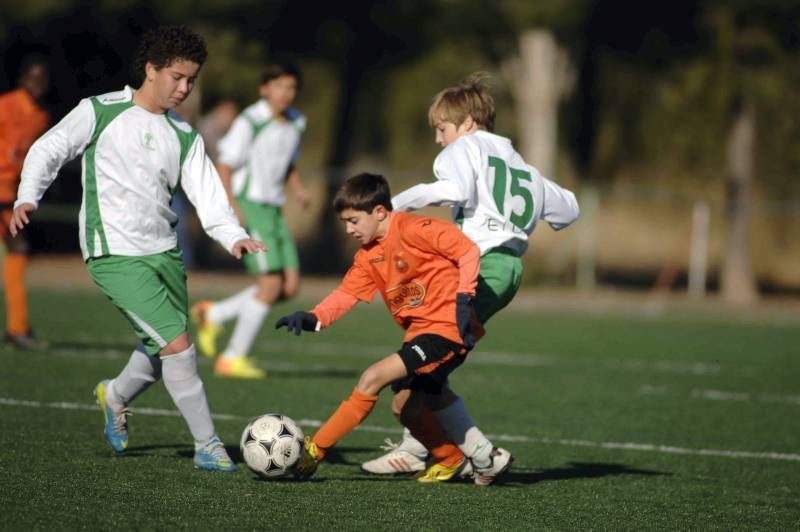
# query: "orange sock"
(347, 417)
(16, 295)
(427, 429)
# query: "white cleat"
(500, 462)
(401, 458)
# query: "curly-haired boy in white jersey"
(135, 153)
(497, 199)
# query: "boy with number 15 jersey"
(497, 199)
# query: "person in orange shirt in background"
(22, 121)
(426, 271)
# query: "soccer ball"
(271, 444)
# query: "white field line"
(720, 395)
(626, 446)
(479, 357)
(725, 395)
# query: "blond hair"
(468, 98)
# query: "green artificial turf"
(617, 421)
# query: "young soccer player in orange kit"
(22, 120)
(426, 271)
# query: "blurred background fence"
(632, 235)
(674, 122)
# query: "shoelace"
(389, 445)
(217, 450)
(121, 420)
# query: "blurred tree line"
(690, 92)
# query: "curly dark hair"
(163, 45)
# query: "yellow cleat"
(238, 368)
(308, 463)
(207, 331)
(440, 473)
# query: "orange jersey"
(22, 121)
(415, 269)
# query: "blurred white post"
(698, 255)
(588, 233)
(738, 282)
(539, 77)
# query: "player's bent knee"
(399, 400)
(269, 288)
(371, 381)
(289, 292)
(178, 345)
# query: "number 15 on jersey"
(519, 184)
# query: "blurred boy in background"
(257, 157)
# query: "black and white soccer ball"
(271, 445)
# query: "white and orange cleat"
(404, 457)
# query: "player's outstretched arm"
(454, 185)
(246, 245)
(20, 217)
(334, 306)
(560, 206)
(433, 194)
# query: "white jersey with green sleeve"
(133, 160)
(260, 148)
(497, 197)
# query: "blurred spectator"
(213, 125)
(22, 121)
(189, 110)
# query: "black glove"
(299, 321)
(464, 312)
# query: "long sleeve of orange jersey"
(334, 306)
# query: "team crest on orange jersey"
(400, 262)
(410, 295)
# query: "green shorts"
(498, 282)
(150, 291)
(266, 223)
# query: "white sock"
(412, 445)
(139, 373)
(229, 308)
(459, 426)
(186, 389)
(251, 316)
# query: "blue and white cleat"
(116, 420)
(213, 457)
